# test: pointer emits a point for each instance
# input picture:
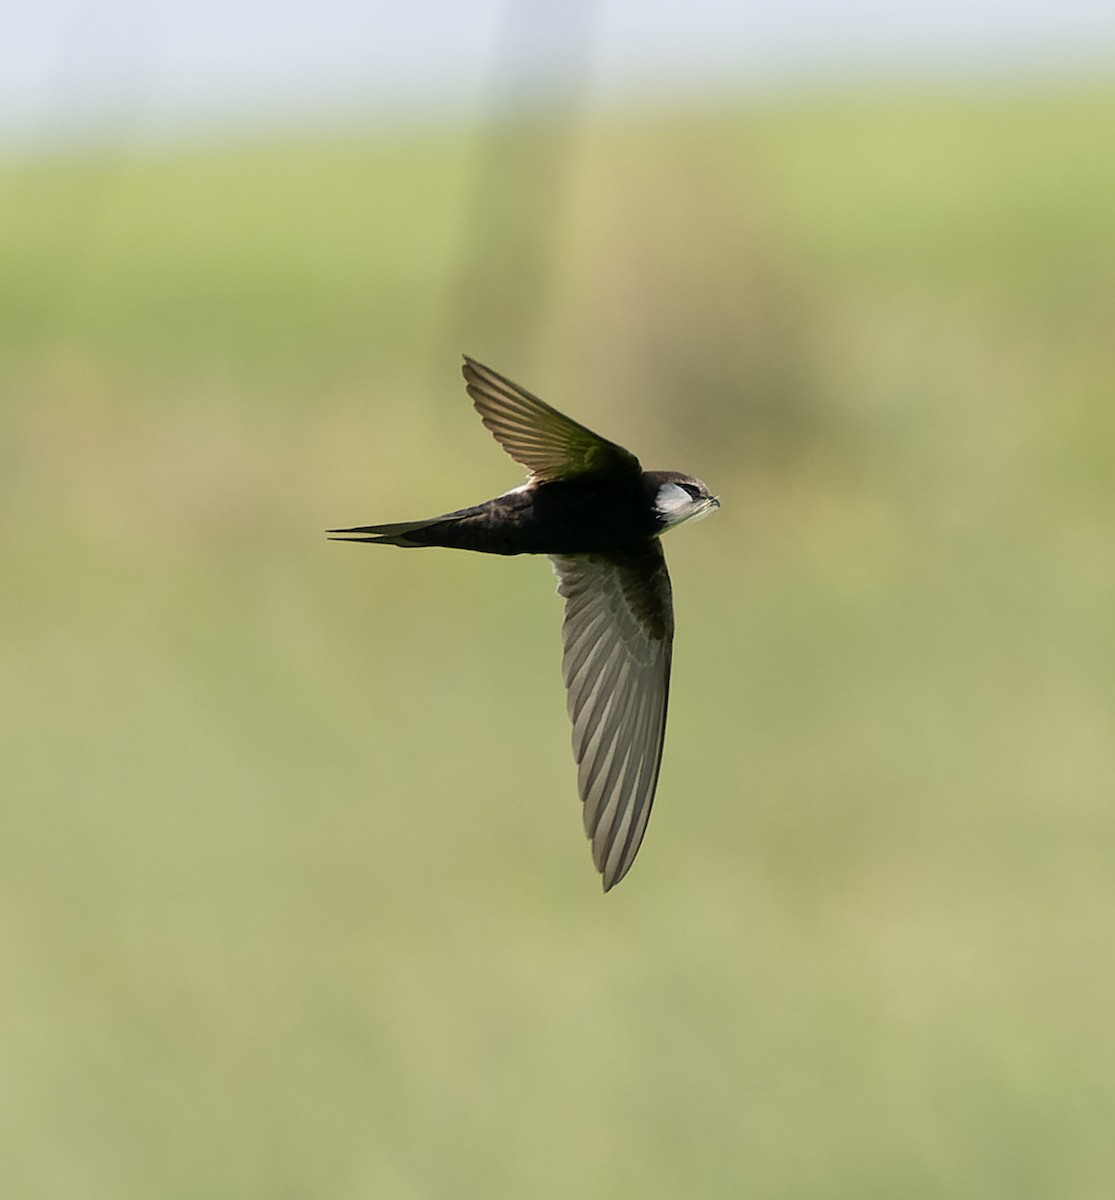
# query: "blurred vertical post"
(512, 232)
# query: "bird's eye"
(694, 493)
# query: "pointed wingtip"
(609, 879)
(473, 371)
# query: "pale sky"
(144, 67)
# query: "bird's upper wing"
(617, 640)
(545, 441)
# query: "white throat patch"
(674, 503)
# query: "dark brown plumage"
(590, 507)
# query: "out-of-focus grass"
(294, 896)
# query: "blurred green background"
(294, 899)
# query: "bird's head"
(677, 498)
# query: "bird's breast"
(585, 515)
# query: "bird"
(589, 506)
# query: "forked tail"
(401, 533)
(494, 527)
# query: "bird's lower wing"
(617, 641)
